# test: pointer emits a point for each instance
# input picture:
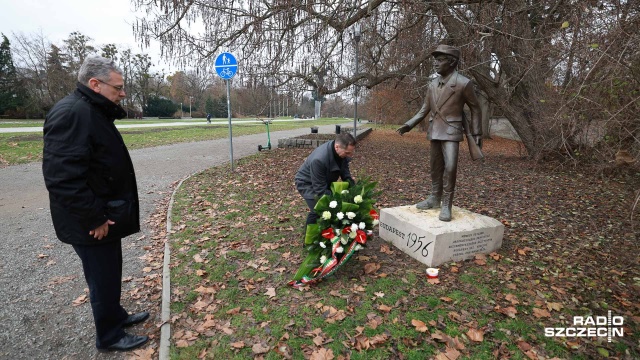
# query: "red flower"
(374, 215)
(328, 233)
(361, 237)
(346, 230)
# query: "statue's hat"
(448, 50)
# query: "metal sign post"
(226, 66)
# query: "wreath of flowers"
(345, 223)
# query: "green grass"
(254, 232)
(235, 271)
(20, 148)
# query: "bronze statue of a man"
(443, 105)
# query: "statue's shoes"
(430, 203)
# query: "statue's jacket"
(444, 109)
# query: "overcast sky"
(104, 21)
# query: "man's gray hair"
(97, 67)
(345, 139)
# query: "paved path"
(40, 276)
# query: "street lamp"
(356, 38)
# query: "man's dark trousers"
(102, 265)
(312, 216)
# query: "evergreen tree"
(9, 99)
(61, 80)
(157, 106)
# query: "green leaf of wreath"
(338, 186)
(313, 231)
(309, 263)
(346, 207)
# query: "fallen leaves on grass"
(509, 311)
(419, 325)
(448, 354)
(260, 348)
(540, 313)
(331, 314)
(475, 335)
(271, 292)
(322, 354)
(238, 344)
(480, 259)
(555, 225)
(370, 268)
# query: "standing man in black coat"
(93, 194)
(326, 164)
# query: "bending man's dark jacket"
(319, 170)
(86, 165)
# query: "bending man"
(326, 164)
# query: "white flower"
(333, 204)
(357, 199)
(340, 215)
(362, 225)
(344, 241)
(354, 227)
(358, 247)
(375, 222)
(344, 192)
(353, 234)
(351, 215)
(322, 245)
(326, 215)
(323, 259)
(339, 250)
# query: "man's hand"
(102, 230)
(478, 140)
(403, 129)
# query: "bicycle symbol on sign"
(226, 73)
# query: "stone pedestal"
(422, 235)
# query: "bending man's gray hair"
(345, 139)
(97, 67)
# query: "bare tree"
(30, 58)
(520, 52)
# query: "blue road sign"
(226, 65)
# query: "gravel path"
(40, 277)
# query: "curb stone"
(165, 329)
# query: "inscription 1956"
(413, 239)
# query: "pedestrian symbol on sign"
(226, 65)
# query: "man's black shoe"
(136, 318)
(128, 342)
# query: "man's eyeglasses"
(118, 88)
